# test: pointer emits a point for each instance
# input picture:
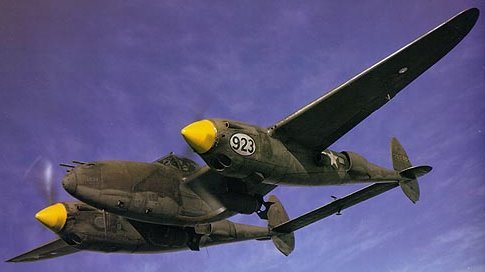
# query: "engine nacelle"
(357, 166)
(243, 151)
(360, 169)
(88, 228)
(238, 150)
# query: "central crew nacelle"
(149, 192)
(239, 150)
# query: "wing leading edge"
(52, 249)
(322, 122)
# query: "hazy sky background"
(94, 80)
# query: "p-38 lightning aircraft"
(174, 204)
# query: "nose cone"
(200, 135)
(54, 217)
(69, 182)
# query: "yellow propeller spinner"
(200, 135)
(53, 217)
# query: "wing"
(335, 207)
(325, 120)
(210, 186)
(52, 249)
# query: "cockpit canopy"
(183, 164)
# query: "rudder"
(284, 242)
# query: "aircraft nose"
(69, 182)
(53, 217)
(200, 135)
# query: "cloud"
(454, 250)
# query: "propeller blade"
(40, 175)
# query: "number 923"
(243, 144)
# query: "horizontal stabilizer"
(335, 207)
(415, 172)
(52, 249)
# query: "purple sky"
(99, 80)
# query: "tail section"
(400, 159)
(401, 163)
(284, 242)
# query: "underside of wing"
(322, 122)
(212, 187)
(335, 207)
(52, 249)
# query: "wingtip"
(466, 20)
(16, 259)
(474, 12)
(471, 13)
(11, 260)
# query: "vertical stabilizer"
(400, 159)
(402, 164)
(284, 242)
